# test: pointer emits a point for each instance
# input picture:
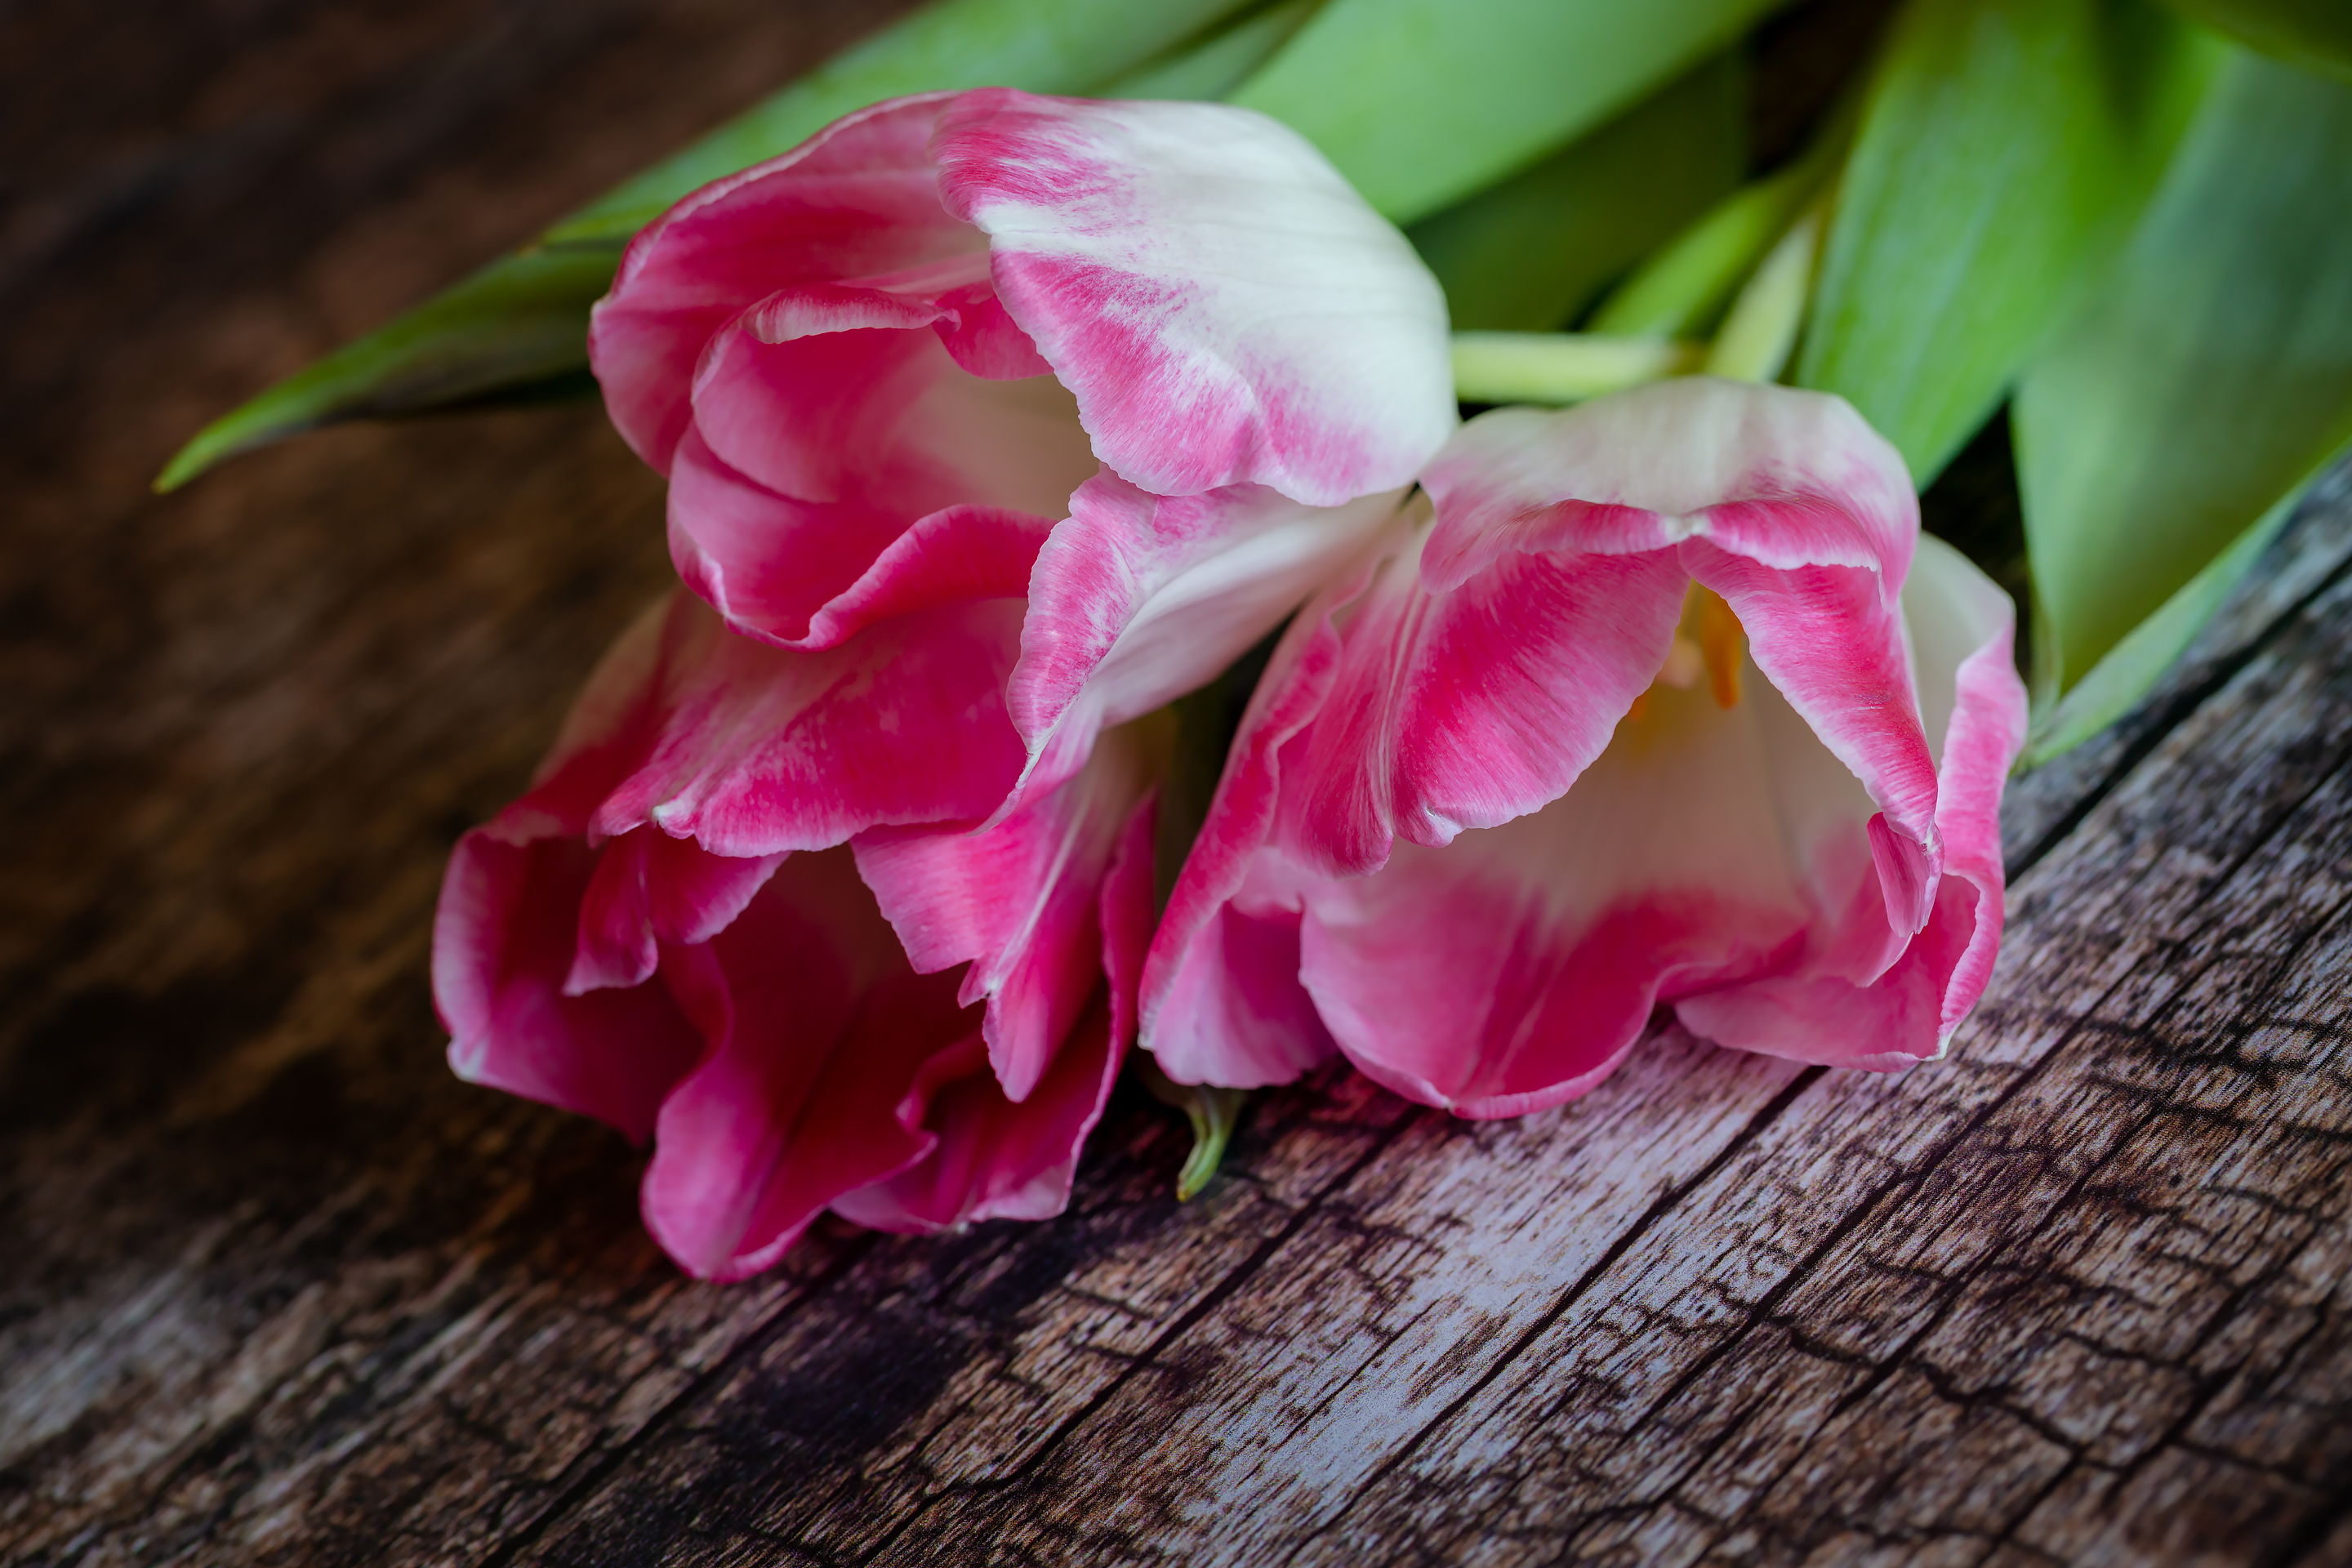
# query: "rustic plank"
(278, 1289)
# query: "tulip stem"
(1561, 367)
(1214, 1113)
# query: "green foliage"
(2210, 379)
(1683, 288)
(1530, 253)
(518, 323)
(1421, 102)
(2005, 149)
(522, 321)
(2313, 34)
(1210, 68)
(1761, 329)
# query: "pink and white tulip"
(678, 931)
(1168, 333)
(1662, 700)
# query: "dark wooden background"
(276, 1288)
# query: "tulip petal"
(1139, 598)
(993, 1158)
(998, 1159)
(1781, 501)
(649, 888)
(759, 750)
(1020, 903)
(1512, 969)
(1469, 708)
(503, 939)
(1961, 628)
(816, 1030)
(1220, 1001)
(784, 555)
(860, 198)
(1227, 309)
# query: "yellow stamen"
(1721, 643)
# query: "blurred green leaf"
(2313, 34)
(1530, 253)
(2134, 664)
(1421, 102)
(1757, 336)
(1683, 288)
(1211, 66)
(1214, 1113)
(2005, 149)
(522, 322)
(2211, 377)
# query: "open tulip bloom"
(993, 424)
(1661, 700)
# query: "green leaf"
(1214, 1113)
(2313, 34)
(1761, 329)
(522, 321)
(2123, 676)
(1530, 253)
(1683, 288)
(2211, 377)
(1211, 66)
(2005, 149)
(1421, 102)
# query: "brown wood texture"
(276, 1288)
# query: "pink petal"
(860, 198)
(1221, 1002)
(1961, 628)
(762, 750)
(1227, 309)
(1469, 708)
(993, 1158)
(1020, 903)
(1649, 467)
(786, 546)
(649, 888)
(1784, 502)
(1514, 968)
(502, 943)
(1139, 598)
(817, 1031)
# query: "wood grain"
(275, 1289)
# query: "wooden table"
(275, 1287)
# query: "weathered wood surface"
(275, 1289)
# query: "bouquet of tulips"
(1101, 632)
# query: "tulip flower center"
(1708, 643)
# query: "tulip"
(738, 913)
(1168, 333)
(1662, 701)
